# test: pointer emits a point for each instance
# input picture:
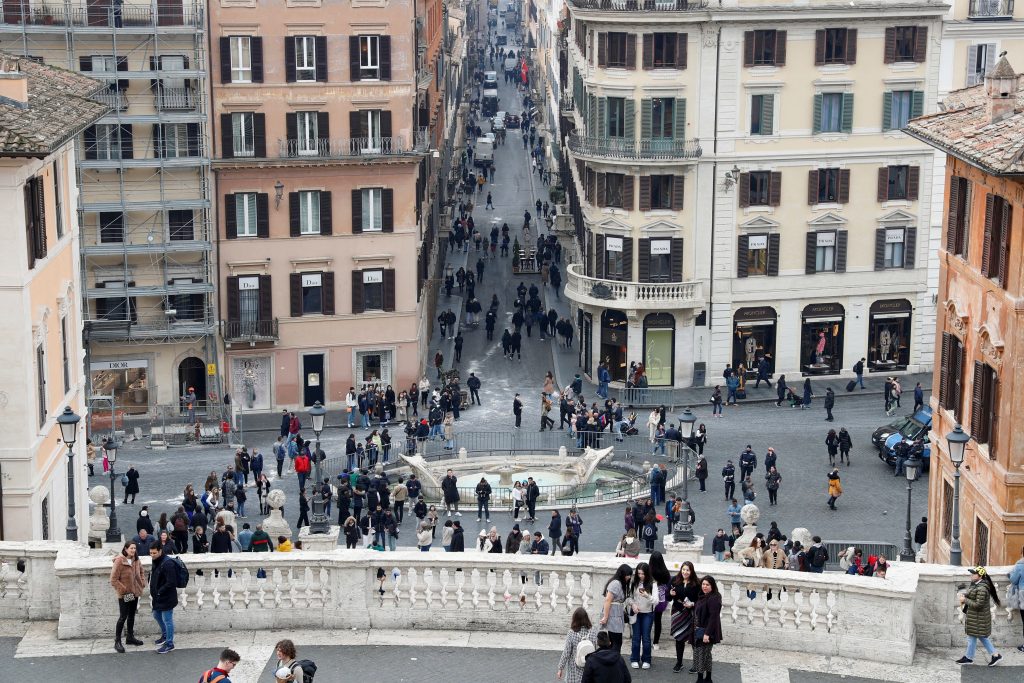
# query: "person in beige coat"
(128, 582)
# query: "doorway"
(313, 378)
(613, 343)
(192, 374)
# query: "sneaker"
(635, 665)
(165, 648)
(995, 660)
(1020, 648)
(964, 660)
(159, 641)
(693, 669)
(488, 520)
(647, 665)
(677, 668)
(655, 646)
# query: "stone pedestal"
(99, 520)
(276, 525)
(677, 552)
(320, 542)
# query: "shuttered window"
(957, 216)
(984, 405)
(951, 370)
(833, 113)
(35, 219)
(762, 114)
(835, 46)
(995, 255)
(905, 44)
(764, 48)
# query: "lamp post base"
(682, 551)
(320, 542)
(908, 556)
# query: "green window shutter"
(602, 117)
(645, 119)
(679, 125)
(767, 114)
(816, 128)
(887, 111)
(629, 129)
(847, 123)
(592, 116)
(917, 104)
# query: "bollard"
(562, 452)
(462, 453)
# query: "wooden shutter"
(385, 124)
(600, 189)
(677, 259)
(847, 121)
(230, 219)
(883, 184)
(602, 49)
(648, 55)
(225, 60)
(819, 46)
(127, 143)
(977, 403)
(256, 50)
(916, 103)
(841, 241)
(289, 59)
(887, 110)
(389, 289)
(327, 293)
(956, 379)
(645, 193)
(233, 301)
(355, 125)
(775, 188)
(879, 248)
(646, 116)
(627, 259)
(291, 126)
(748, 48)
(678, 187)
(851, 46)
(294, 218)
(358, 300)
(627, 192)
(952, 214)
(679, 119)
(681, 42)
(810, 250)
(602, 117)
(357, 211)
(744, 189)
(844, 186)
(913, 182)
(742, 249)
(921, 45)
(986, 246)
(353, 63)
(259, 135)
(384, 45)
(600, 257)
(773, 254)
(816, 114)
(1004, 242)
(812, 187)
(266, 299)
(629, 124)
(889, 56)
(644, 260)
(323, 128)
(780, 48)
(262, 215)
(910, 248)
(326, 214)
(321, 65)
(767, 114)
(631, 51)
(944, 368)
(295, 294)
(387, 210)
(227, 146)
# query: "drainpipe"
(714, 198)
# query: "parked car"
(498, 122)
(908, 428)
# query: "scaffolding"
(143, 169)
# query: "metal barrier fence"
(837, 548)
(164, 425)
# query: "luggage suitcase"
(741, 393)
(851, 385)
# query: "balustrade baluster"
(815, 601)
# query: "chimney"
(13, 83)
(1001, 90)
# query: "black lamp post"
(957, 442)
(68, 422)
(318, 523)
(910, 469)
(113, 531)
(683, 530)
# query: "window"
(831, 112)
(108, 141)
(305, 59)
(616, 117)
(65, 358)
(665, 50)
(369, 58)
(951, 370)
(176, 140)
(764, 48)
(660, 261)
(372, 209)
(35, 219)
(995, 255)
(58, 197)
(762, 114)
(41, 383)
(828, 186)
(898, 176)
(957, 221)
(835, 45)
(115, 307)
(241, 59)
(894, 240)
(617, 51)
(906, 43)
(613, 258)
(309, 212)
(825, 252)
(661, 191)
(613, 190)
(186, 306)
(249, 299)
(181, 224)
(306, 129)
(980, 541)
(899, 114)
(243, 138)
(663, 117)
(947, 511)
(757, 254)
(368, 125)
(312, 293)
(111, 227)
(373, 290)
(245, 214)
(759, 182)
(980, 58)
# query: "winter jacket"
(450, 487)
(261, 542)
(446, 535)
(458, 544)
(513, 541)
(719, 544)
(835, 487)
(708, 615)
(978, 614)
(606, 666)
(133, 482)
(845, 443)
(163, 583)
(555, 526)
(127, 578)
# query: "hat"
(482, 533)
(515, 527)
(980, 571)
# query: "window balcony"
(990, 10)
(103, 14)
(251, 331)
(354, 148)
(115, 99)
(175, 99)
(631, 295)
(654, 149)
(638, 5)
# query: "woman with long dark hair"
(684, 593)
(708, 627)
(580, 629)
(977, 605)
(612, 612)
(126, 578)
(662, 578)
(641, 600)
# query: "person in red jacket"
(293, 424)
(302, 465)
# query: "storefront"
(821, 339)
(659, 349)
(251, 382)
(126, 380)
(889, 335)
(754, 338)
(614, 344)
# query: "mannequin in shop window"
(820, 350)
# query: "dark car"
(908, 428)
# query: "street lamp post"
(683, 530)
(113, 532)
(957, 442)
(68, 422)
(318, 523)
(910, 469)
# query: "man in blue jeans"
(163, 587)
(603, 378)
(858, 369)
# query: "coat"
(133, 482)
(606, 666)
(127, 578)
(567, 662)
(458, 544)
(451, 491)
(978, 614)
(835, 487)
(163, 583)
(708, 615)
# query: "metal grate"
(980, 542)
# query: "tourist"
(569, 545)
(432, 519)
(352, 533)
(131, 488)
(650, 531)
(483, 500)
(629, 545)
(144, 541)
(845, 444)
(612, 614)
(128, 582)
(832, 445)
(606, 664)
(580, 630)
(286, 654)
(261, 542)
(284, 544)
(458, 543)
(684, 592)
(977, 606)
(219, 674)
(662, 579)
(641, 601)
(531, 494)
(493, 543)
(514, 540)
(449, 485)
(1015, 599)
(555, 530)
(751, 555)
(517, 500)
(835, 488)
(708, 627)
(719, 545)
(816, 556)
(774, 557)
(446, 535)
(772, 482)
(163, 590)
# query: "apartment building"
(144, 203)
(981, 282)
(974, 32)
(42, 110)
(319, 158)
(742, 187)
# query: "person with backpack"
(301, 670)
(817, 556)
(219, 674)
(650, 531)
(579, 642)
(163, 588)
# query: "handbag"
(698, 635)
(129, 597)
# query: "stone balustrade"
(825, 614)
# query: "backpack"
(181, 572)
(308, 669)
(206, 677)
(180, 524)
(869, 568)
(584, 648)
(820, 557)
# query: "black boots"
(118, 646)
(132, 640)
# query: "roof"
(963, 129)
(59, 108)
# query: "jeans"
(641, 634)
(719, 556)
(716, 408)
(731, 398)
(972, 645)
(602, 389)
(392, 543)
(280, 468)
(241, 508)
(425, 548)
(302, 479)
(165, 618)
(485, 506)
(364, 420)
(860, 379)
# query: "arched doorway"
(192, 373)
(613, 343)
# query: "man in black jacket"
(605, 665)
(483, 500)
(163, 587)
(532, 494)
(517, 410)
(474, 388)
(830, 403)
(449, 485)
